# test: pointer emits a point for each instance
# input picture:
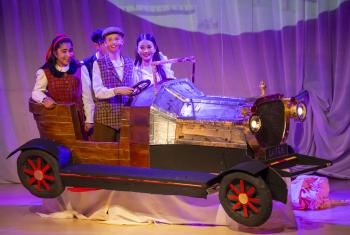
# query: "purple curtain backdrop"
(312, 55)
(327, 78)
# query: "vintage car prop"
(175, 140)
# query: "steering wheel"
(140, 86)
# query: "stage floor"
(17, 217)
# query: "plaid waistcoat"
(108, 110)
(66, 89)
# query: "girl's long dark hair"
(156, 56)
(51, 59)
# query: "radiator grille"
(273, 123)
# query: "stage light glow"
(298, 111)
(255, 123)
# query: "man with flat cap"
(112, 78)
(86, 77)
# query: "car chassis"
(174, 140)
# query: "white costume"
(141, 72)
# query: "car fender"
(252, 167)
(274, 181)
(61, 153)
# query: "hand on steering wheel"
(140, 86)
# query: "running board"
(136, 179)
(297, 164)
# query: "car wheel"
(245, 198)
(39, 173)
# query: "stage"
(266, 90)
(17, 213)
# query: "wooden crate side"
(58, 121)
(139, 116)
(97, 152)
(58, 110)
(60, 124)
(58, 128)
(209, 133)
(139, 136)
(140, 155)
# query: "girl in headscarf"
(58, 80)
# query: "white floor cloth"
(115, 207)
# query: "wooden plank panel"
(139, 134)
(140, 156)
(89, 151)
(58, 110)
(58, 127)
(124, 131)
(139, 116)
(58, 124)
(209, 133)
(94, 153)
(53, 119)
(99, 145)
(125, 114)
(101, 162)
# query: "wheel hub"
(38, 175)
(243, 198)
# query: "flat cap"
(96, 36)
(112, 30)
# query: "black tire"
(250, 206)
(39, 173)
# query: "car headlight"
(298, 111)
(254, 123)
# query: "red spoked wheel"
(39, 173)
(245, 198)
